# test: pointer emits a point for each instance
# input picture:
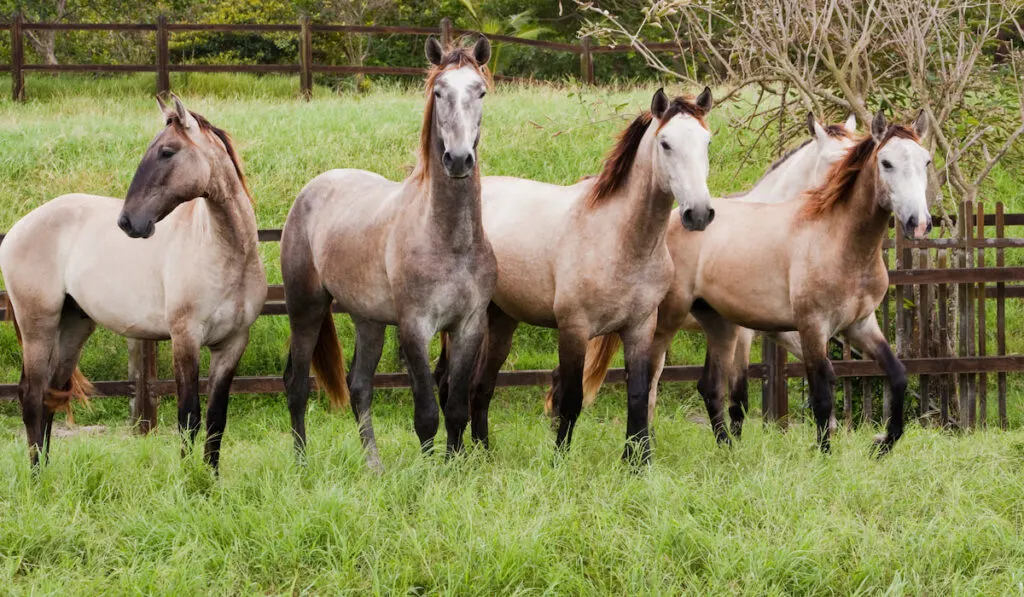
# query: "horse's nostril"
(711, 215)
(446, 159)
(123, 223)
(470, 161)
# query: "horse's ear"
(482, 51)
(659, 103)
(878, 126)
(704, 101)
(181, 111)
(817, 131)
(921, 124)
(851, 123)
(434, 51)
(164, 112)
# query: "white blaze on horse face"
(903, 175)
(681, 167)
(458, 107)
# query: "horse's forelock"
(683, 104)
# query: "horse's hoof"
(881, 446)
(375, 466)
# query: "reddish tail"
(600, 352)
(80, 388)
(329, 364)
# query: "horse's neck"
(866, 223)
(787, 180)
(453, 208)
(228, 219)
(646, 208)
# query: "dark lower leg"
(465, 349)
(638, 385)
(441, 371)
(821, 381)
(712, 389)
(186, 375)
(223, 364)
(738, 396)
(370, 338)
(572, 348)
(426, 418)
(496, 345)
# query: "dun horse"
(590, 259)
(788, 178)
(411, 254)
(813, 266)
(197, 280)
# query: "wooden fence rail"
(305, 68)
(952, 386)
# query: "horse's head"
(680, 159)
(831, 144)
(902, 164)
(456, 89)
(177, 167)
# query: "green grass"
(118, 514)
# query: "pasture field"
(119, 514)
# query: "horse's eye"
(928, 164)
(437, 94)
(887, 164)
(665, 146)
(167, 152)
(483, 93)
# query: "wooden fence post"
(982, 389)
(1001, 317)
(17, 58)
(144, 403)
(163, 76)
(305, 58)
(586, 61)
(446, 33)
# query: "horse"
(798, 170)
(412, 254)
(813, 266)
(590, 259)
(197, 279)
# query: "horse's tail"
(79, 387)
(329, 363)
(600, 352)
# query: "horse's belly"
(524, 299)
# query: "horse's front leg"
(466, 342)
(738, 385)
(636, 343)
(370, 338)
(414, 333)
(821, 379)
(185, 351)
(866, 336)
(572, 352)
(224, 359)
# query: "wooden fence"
(926, 275)
(304, 68)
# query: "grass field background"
(121, 514)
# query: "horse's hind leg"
(496, 345)
(224, 359)
(414, 335)
(369, 346)
(307, 308)
(185, 352)
(75, 328)
(466, 342)
(39, 350)
(738, 386)
(866, 336)
(721, 350)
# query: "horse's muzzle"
(458, 164)
(914, 229)
(697, 219)
(134, 230)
